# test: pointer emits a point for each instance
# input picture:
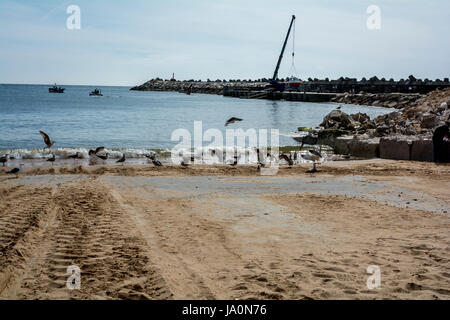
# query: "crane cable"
(293, 71)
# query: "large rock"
(397, 148)
(328, 136)
(428, 120)
(337, 119)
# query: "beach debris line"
(47, 140)
(232, 120)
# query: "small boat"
(56, 89)
(96, 92)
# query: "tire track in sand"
(91, 231)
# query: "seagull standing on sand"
(232, 120)
(4, 159)
(121, 160)
(16, 170)
(74, 156)
(155, 161)
(184, 164)
(47, 140)
(314, 156)
(313, 169)
(52, 159)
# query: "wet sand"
(222, 232)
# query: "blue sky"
(129, 42)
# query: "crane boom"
(275, 74)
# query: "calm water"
(124, 119)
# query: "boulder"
(337, 119)
(360, 117)
(428, 120)
(328, 136)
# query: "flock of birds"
(312, 155)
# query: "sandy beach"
(219, 232)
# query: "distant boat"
(56, 89)
(96, 92)
(293, 82)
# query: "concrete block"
(396, 148)
(365, 148)
(341, 144)
(422, 150)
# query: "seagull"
(74, 156)
(232, 120)
(94, 152)
(315, 155)
(287, 158)
(4, 159)
(184, 164)
(52, 159)
(16, 170)
(103, 157)
(121, 160)
(155, 162)
(313, 169)
(47, 140)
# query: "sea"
(136, 123)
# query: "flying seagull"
(47, 140)
(94, 152)
(121, 160)
(16, 170)
(232, 120)
(315, 155)
(4, 159)
(52, 159)
(287, 158)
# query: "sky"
(129, 42)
